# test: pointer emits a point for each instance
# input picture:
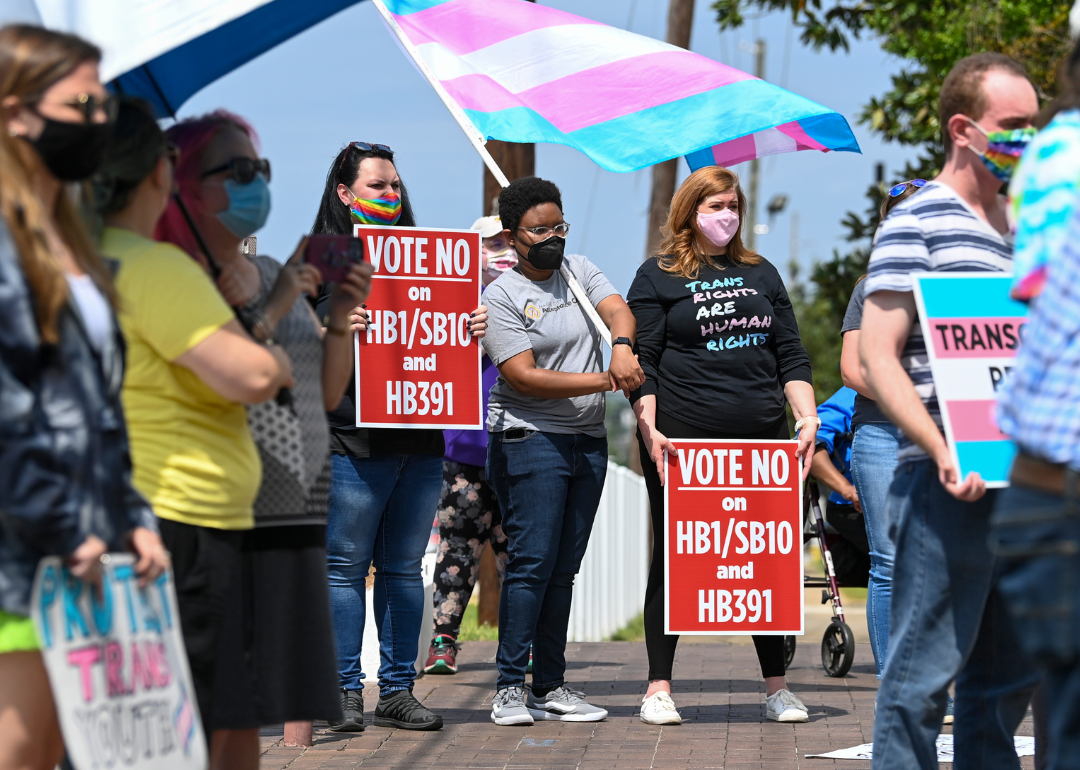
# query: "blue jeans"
(549, 487)
(948, 621)
(873, 461)
(1037, 536)
(381, 509)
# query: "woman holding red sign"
(719, 345)
(385, 483)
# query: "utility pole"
(680, 21)
(794, 236)
(755, 165)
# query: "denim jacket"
(65, 468)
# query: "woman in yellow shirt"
(191, 370)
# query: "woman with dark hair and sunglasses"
(385, 483)
(65, 469)
(873, 457)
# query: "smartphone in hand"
(333, 255)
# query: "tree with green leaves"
(929, 36)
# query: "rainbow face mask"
(1003, 150)
(381, 211)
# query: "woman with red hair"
(704, 380)
(289, 664)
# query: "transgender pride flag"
(524, 72)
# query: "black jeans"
(661, 646)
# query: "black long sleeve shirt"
(718, 350)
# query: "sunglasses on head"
(243, 170)
(898, 189)
(365, 147)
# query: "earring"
(12, 132)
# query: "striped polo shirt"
(934, 230)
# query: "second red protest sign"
(733, 522)
(417, 366)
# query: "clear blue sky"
(346, 79)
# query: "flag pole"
(477, 140)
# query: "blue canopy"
(173, 77)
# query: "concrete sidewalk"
(718, 690)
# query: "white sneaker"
(783, 706)
(508, 707)
(564, 705)
(659, 709)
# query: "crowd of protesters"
(168, 392)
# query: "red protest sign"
(417, 366)
(733, 518)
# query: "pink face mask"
(719, 226)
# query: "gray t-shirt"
(544, 316)
(866, 409)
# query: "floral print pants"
(468, 518)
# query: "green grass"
(634, 631)
(471, 631)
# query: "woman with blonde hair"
(719, 345)
(65, 471)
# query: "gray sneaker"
(564, 705)
(508, 707)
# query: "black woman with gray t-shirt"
(547, 446)
(720, 348)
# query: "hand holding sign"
(85, 561)
(478, 322)
(153, 559)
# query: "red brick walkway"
(718, 690)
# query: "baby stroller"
(847, 563)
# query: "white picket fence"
(610, 588)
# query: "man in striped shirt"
(947, 620)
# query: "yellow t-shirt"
(192, 451)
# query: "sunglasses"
(898, 189)
(364, 147)
(243, 170)
(90, 106)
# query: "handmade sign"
(733, 518)
(417, 366)
(118, 670)
(972, 331)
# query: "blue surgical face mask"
(249, 206)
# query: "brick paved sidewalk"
(718, 690)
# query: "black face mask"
(547, 255)
(72, 151)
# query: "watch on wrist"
(621, 341)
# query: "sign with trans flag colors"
(972, 331)
(733, 546)
(118, 670)
(526, 72)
